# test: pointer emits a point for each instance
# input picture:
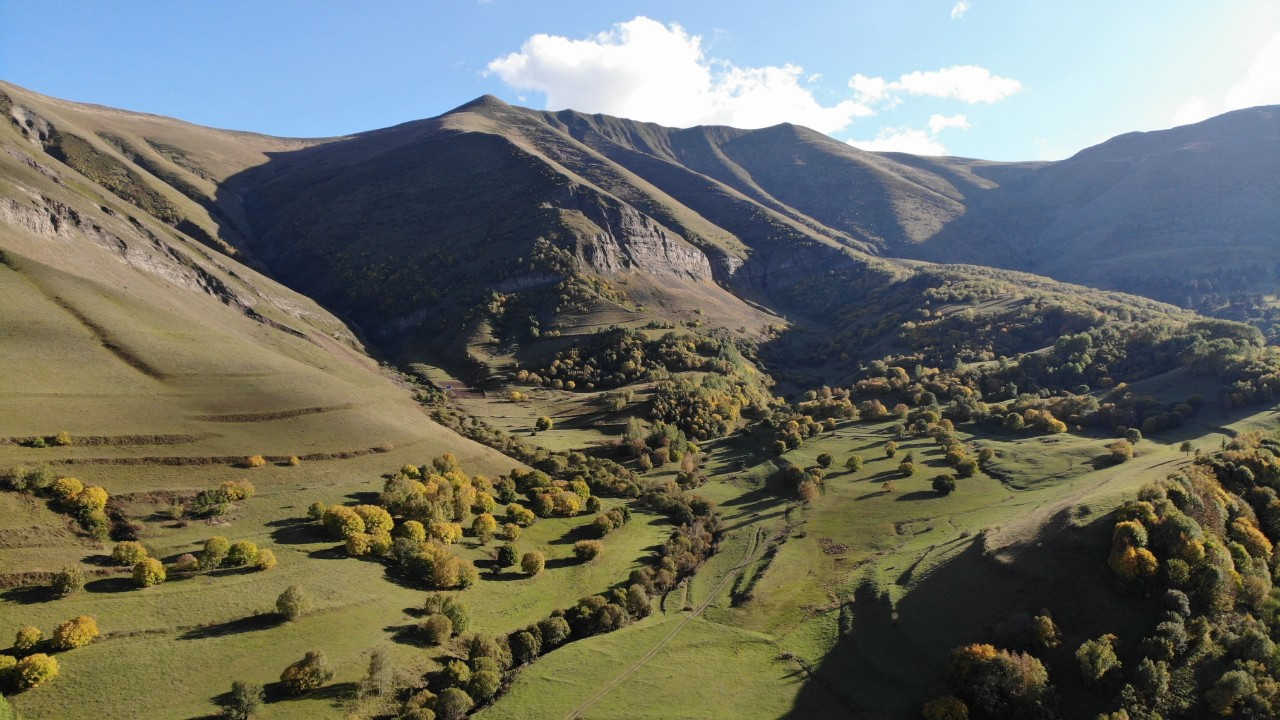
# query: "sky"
(994, 79)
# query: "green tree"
(1097, 659)
(484, 685)
(242, 552)
(944, 484)
(544, 423)
(555, 631)
(453, 704)
(307, 674)
(215, 551)
(436, 629)
(825, 460)
(293, 603)
(506, 556)
(451, 607)
(890, 449)
(244, 701)
(854, 463)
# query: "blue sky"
(1004, 80)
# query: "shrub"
(854, 463)
(544, 423)
(74, 633)
(255, 461)
(510, 532)
(89, 500)
(148, 572)
(453, 704)
(294, 461)
(457, 673)
(307, 674)
(944, 484)
(380, 543)
(413, 530)
(242, 552)
(237, 490)
(506, 556)
(825, 460)
(27, 638)
(376, 519)
(342, 521)
(244, 701)
(890, 449)
(533, 562)
(484, 526)
(484, 685)
(68, 581)
(316, 511)
(586, 550)
(293, 603)
(907, 468)
(450, 607)
(66, 488)
(129, 553)
(34, 671)
(555, 631)
(215, 551)
(264, 560)
(436, 629)
(445, 532)
(186, 563)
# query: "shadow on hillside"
(916, 495)
(407, 634)
(295, 531)
(28, 594)
(872, 494)
(337, 692)
(111, 585)
(252, 623)
(563, 562)
(890, 658)
(364, 497)
(337, 552)
(574, 535)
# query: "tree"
(265, 559)
(948, 707)
(307, 674)
(484, 685)
(825, 460)
(854, 463)
(451, 607)
(293, 603)
(525, 647)
(944, 484)
(148, 572)
(33, 671)
(1097, 659)
(74, 633)
(555, 631)
(242, 552)
(68, 581)
(379, 679)
(27, 638)
(436, 629)
(586, 550)
(244, 700)
(1186, 447)
(890, 449)
(1133, 436)
(510, 532)
(544, 423)
(907, 468)
(128, 553)
(453, 704)
(506, 556)
(484, 526)
(215, 551)
(532, 562)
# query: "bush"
(484, 685)
(307, 674)
(66, 488)
(453, 704)
(825, 460)
(89, 500)
(484, 526)
(944, 484)
(294, 461)
(215, 551)
(244, 701)
(234, 490)
(62, 439)
(376, 519)
(854, 463)
(586, 550)
(436, 629)
(293, 603)
(413, 530)
(265, 560)
(510, 532)
(68, 581)
(148, 572)
(342, 521)
(316, 510)
(506, 556)
(555, 631)
(533, 562)
(907, 468)
(33, 671)
(242, 552)
(27, 638)
(186, 563)
(129, 553)
(450, 607)
(457, 673)
(255, 461)
(74, 633)
(544, 423)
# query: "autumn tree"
(148, 572)
(532, 562)
(307, 674)
(74, 633)
(293, 603)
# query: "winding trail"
(747, 559)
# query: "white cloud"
(908, 140)
(1260, 86)
(645, 70)
(966, 83)
(938, 123)
(959, 9)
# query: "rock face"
(632, 241)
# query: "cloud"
(908, 140)
(1260, 86)
(959, 9)
(645, 70)
(938, 123)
